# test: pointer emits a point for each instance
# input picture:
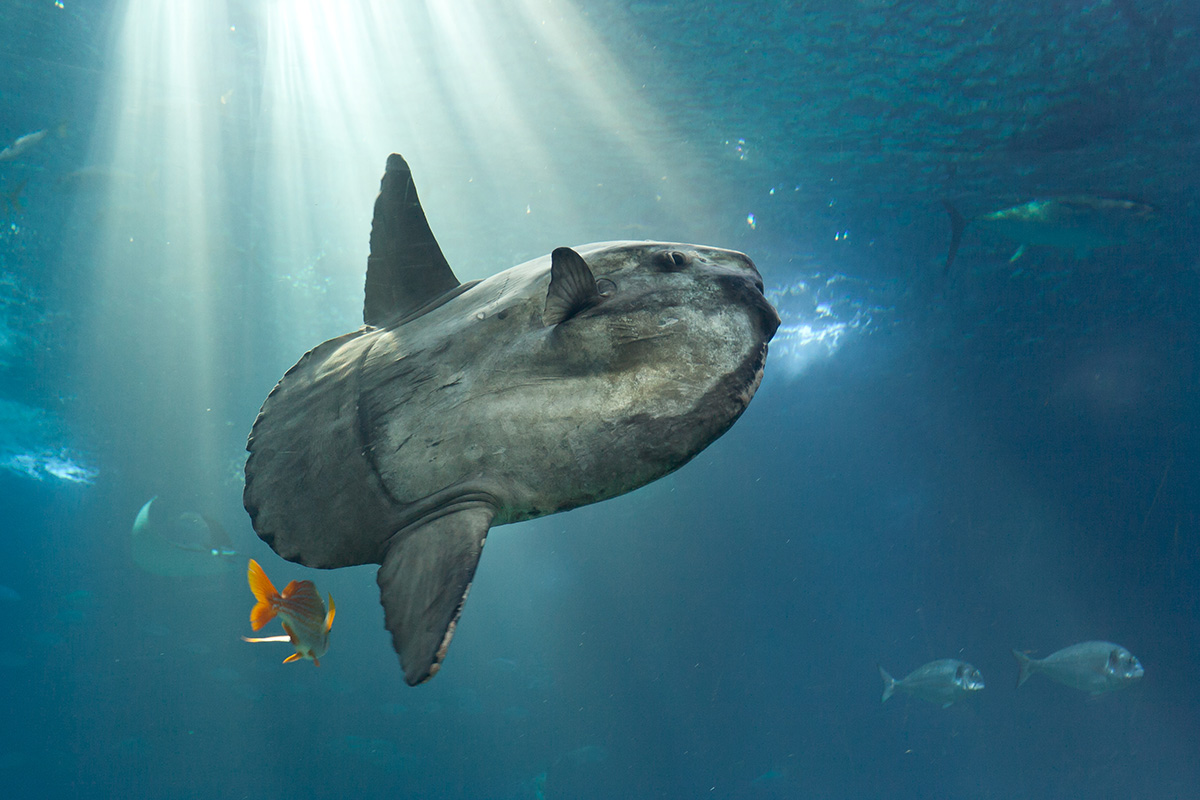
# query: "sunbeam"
(241, 145)
(155, 225)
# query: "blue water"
(935, 466)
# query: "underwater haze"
(978, 430)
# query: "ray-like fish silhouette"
(1078, 224)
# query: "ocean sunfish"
(564, 381)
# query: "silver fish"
(1095, 667)
(942, 681)
(23, 144)
(564, 381)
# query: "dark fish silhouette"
(1078, 224)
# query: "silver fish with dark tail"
(1077, 224)
(1095, 667)
(942, 681)
(457, 407)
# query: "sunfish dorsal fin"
(423, 584)
(572, 286)
(406, 268)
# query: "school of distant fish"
(1094, 667)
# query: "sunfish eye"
(605, 287)
(673, 260)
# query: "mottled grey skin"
(1095, 667)
(942, 682)
(403, 442)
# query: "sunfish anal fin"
(423, 584)
(406, 268)
(572, 286)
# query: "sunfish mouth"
(769, 317)
(747, 290)
(755, 277)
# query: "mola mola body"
(567, 380)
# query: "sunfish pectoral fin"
(423, 584)
(572, 286)
(268, 639)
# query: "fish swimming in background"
(1095, 667)
(24, 144)
(942, 681)
(1079, 224)
(576, 377)
(173, 543)
(300, 610)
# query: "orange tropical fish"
(300, 610)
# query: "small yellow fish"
(300, 610)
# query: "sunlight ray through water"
(250, 140)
